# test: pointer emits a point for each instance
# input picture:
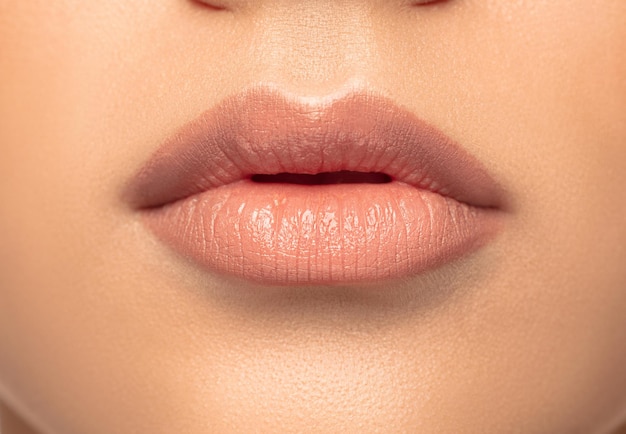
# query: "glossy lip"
(197, 195)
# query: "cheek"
(561, 128)
(58, 228)
(556, 105)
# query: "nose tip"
(318, 45)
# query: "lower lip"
(284, 234)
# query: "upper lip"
(263, 131)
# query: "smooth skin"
(105, 330)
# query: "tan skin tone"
(104, 330)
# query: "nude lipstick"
(280, 190)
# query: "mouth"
(279, 191)
(324, 178)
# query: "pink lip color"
(198, 195)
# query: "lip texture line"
(198, 195)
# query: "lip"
(198, 192)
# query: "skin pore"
(105, 330)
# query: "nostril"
(427, 2)
(324, 178)
(216, 5)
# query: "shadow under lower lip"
(284, 234)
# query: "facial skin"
(104, 330)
